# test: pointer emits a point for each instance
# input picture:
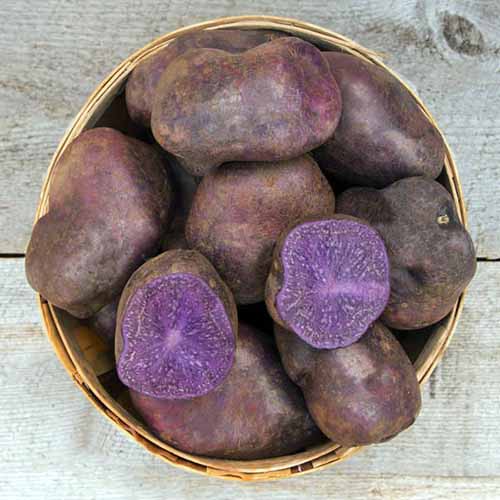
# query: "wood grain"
(52, 440)
(55, 52)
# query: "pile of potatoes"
(279, 183)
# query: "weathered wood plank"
(55, 52)
(53, 441)
(125, 484)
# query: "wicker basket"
(89, 361)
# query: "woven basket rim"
(282, 467)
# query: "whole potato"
(358, 395)
(383, 135)
(255, 413)
(239, 211)
(274, 102)
(176, 327)
(431, 254)
(143, 80)
(109, 202)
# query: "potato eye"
(443, 219)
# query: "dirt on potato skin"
(240, 210)
(255, 413)
(383, 135)
(274, 102)
(431, 254)
(362, 394)
(142, 83)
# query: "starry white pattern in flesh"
(336, 281)
(177, 339)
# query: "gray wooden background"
(53, 444)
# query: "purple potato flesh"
(177, 338)
(334, 281)
(176, 333)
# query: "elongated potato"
(274, 102)
(142, 83)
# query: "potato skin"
(431, 254)
(174, 241)
(102, 164)
(142, 83)
(184, 187)
(104, 322)
(240, 210)
(175, 261)
(274, 102)
(358, 395)
(383, 135)
(94, 236)
(61, 265)
(255, 413)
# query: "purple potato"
(362, 394)
(431, 254)
(104, 322)
(240, 210)
(184, 187)
(142, 82)
(274, 102)
(255, 413)
(102, 164)
(109, 202)
(329, 280)
(176, 328)
(383, 135)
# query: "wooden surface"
(52, 442)
(54, 53)
(52, 438)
